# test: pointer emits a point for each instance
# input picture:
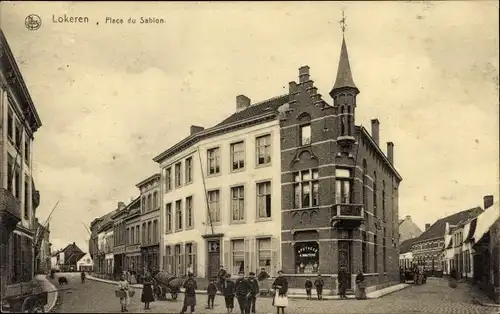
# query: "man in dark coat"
(319, 283)
(190, 287)
(222, 278)
(343, 280)
(228, 291)
(308, 285)
(242, 290)
(254, 290)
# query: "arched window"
(374, 193)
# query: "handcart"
(165, 283)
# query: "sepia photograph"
(271, 157)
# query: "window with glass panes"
(168, 179)
(213, 161)
(343, 183)
(306, 188)
(263, 147)
(237, 156)
(214, 205)
(189, 212)
(305, 134)
(238, 256)
(264, 200)
(374, 194)
(238, 203)
(264, 254)
(178, 215)
(178, 174)
(188, 164)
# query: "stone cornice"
(148, 180)
(192, 139)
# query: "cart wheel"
(174, 295)
(38, 307)
(32, 305)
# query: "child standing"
(309, 286)
(319, 283)
(228, 290)
(211, 292)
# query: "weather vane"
(342, 22)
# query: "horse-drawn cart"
(165, 283)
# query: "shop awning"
(485, 220)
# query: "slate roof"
(269, 105)
(344, 73)
(438, 228)
(405, 246)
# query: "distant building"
(85, 263)
(133, 260)
(69, 256)
(427, 250)
(405, 254)
(408, 229)
(486, 239)
(150, 221)
(119, 238)
(99, 248)
(18, 196)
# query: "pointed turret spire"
(344, 74)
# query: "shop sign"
(120, 250)
(307, 251)
(133, 248)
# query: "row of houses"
(19, 197)
(467, 242)
(290, 183)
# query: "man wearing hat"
(254, 290)
(190, 287)
(242, 290)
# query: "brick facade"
(336, 143)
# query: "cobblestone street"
(433, 297)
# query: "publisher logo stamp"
(33, 22)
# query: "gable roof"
(438, 229)
(405, 246)
(264, 108)
(106, 219)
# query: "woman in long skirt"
(147, 293)
(280, 287)
(360, 286)
(125, 297)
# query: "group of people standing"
(343, 282)
(244, 289)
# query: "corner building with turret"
(295, 171)
(339, 190)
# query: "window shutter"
(182, 266)
(275, 262)
(195, 259)
(247, 256)
(227, 257)
(253, 262)
(169, 260)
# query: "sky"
(113, 96)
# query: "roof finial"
(342, 22)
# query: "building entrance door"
(344, 257)
(213, 257)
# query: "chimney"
(427, 226)
(120, 206)
(195, 129)
(242, 102)
(375, 134)
(408, 218)
(292, 87)
(390, 152)
(487, 201)
(303, 74)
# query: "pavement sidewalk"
(479, 297)
(371, 295)
(52, 295)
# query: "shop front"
(133, 261)
(150, 257)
